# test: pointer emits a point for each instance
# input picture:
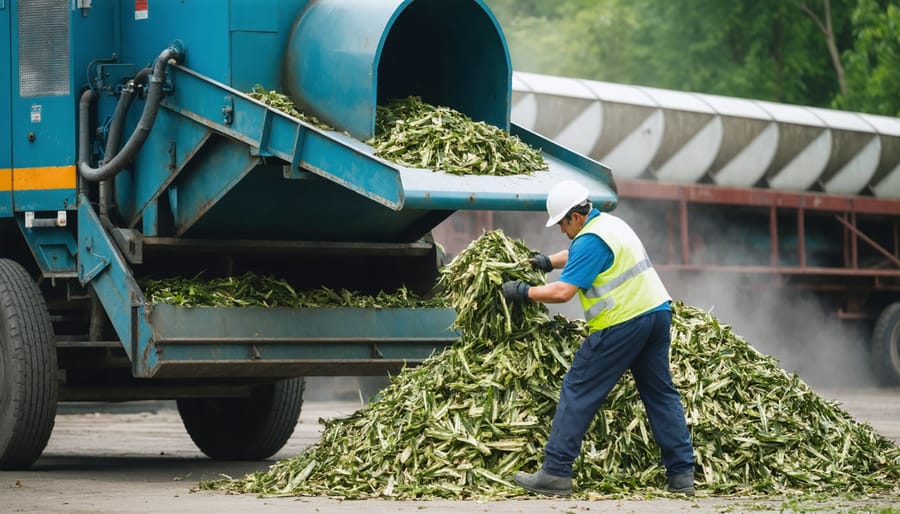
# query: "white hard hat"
(562, 197)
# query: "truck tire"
(252, 428)
(886, 345)
(28, 388)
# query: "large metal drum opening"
(346, 56)
(449, 53)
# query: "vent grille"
(43, 48)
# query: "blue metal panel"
(193, 194)
(43, 128)
(95, 35)
(45, 199)
(307, 207)
(258, 38)
(54, 249)
(202, 27)
(329, 154)
(346, 56)
(192, 339)
(247, 69)
(171, 145)
(238, 42)
(5, 103)
(260, 16)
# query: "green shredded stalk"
(251, 289)
(460, 424)
(284, 104)
(413, 133)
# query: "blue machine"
(133, 150)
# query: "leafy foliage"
(764, 49)
(873, 64)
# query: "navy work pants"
(642, 345)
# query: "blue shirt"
(590, 256)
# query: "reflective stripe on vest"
(630, 287)
(609, 303)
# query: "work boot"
(542, 482)
(682, 483)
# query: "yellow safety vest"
(630, 287)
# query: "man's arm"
(554, 292)
(559, 259)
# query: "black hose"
(118, 162)
(113, 142)
(84, 133)
(114, 138)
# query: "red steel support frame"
(702, 193)
(845, 209)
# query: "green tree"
(812, 52)
(767, 49)
(873, 64)
(823, 21)
(578, 38)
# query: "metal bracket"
(228, 110)
(110, 76)
(130, 243)
(102, 263)
(31, 221)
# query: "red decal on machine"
(141, 11)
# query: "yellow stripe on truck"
(5, 180)
(51, 177)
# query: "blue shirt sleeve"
(588, 257)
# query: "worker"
(627, 309)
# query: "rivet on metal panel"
(228, 110)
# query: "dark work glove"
(515, 291)
(541, 262)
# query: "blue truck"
(131, 149)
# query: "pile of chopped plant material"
(459, 425)
(416, 134)
(267, 291)
(413, 133)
